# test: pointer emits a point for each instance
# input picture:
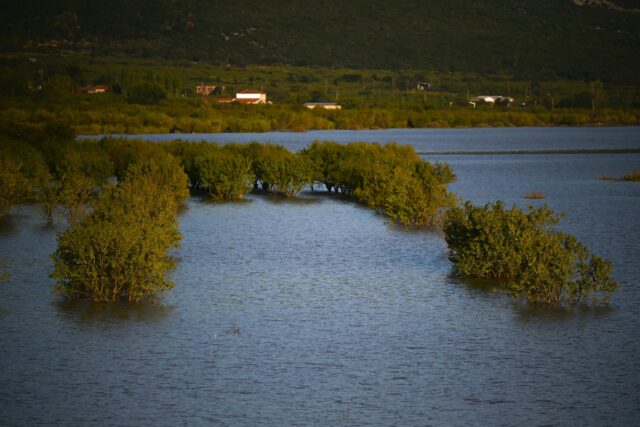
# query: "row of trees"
(121, 199)
(390, 178)
(45, 164)
(230, 171)
(191, 115)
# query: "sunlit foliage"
(119, 251)
(391, 178)
(521, 249)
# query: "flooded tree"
(390, 178)
(524, 252)
(225, 175)
(119, 251)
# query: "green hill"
(544, 39)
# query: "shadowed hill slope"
(530, 39)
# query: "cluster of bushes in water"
(633, 176)
(524, 252)
(121, 203)
(390, 178)
(121, 199)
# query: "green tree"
(13, 185)
(224, 174)
(526, 254)
(119, 251)
(391, 178)
(80, 168)
(147, 93)
(281, 171)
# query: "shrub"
(632, 176)
(391, 178)
(225, 175)
(278, 170)
(119, 251)
(13, 185)
(522, 250)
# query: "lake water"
(317, 311)
(438, 140)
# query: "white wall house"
(324, 105)
(492, 99)
(251, 97)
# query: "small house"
(492, 99)
(251, 97)
(205, 90)
(97, 89)
(323, 105)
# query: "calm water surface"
(316, 311)
(439, 140)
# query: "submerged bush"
(278, 170)
(119, 251)
(522, 250)
(13, 185)
(633, 176)
(225, 175)
(391, 178)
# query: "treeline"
(193, 116)
(160, 97)
(390, 178)
(121, 199)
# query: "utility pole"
(326, 87)
(393, 85)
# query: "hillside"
(567, 39)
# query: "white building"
(251, 97)
(492, 99)
(324, 105)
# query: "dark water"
(318, 312)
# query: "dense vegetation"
(116, 245)
(159, 97)
(545, 39)
(390, 178)
(411, 64)
(534, 261)
(121, 199)
(119, 250)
